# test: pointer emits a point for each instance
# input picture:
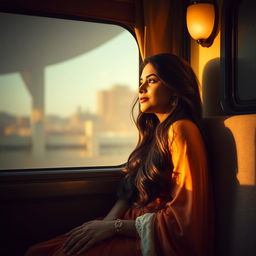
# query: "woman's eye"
(151, 81)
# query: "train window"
(66, 92)
(239, 62)
(246, 52)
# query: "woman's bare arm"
(117, 210)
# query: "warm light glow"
(200, 20)
(37, 115)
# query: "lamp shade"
(200, 20)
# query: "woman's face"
(154, 96)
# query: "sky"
(74, 83)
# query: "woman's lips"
(143, 99)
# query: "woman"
(164, 205)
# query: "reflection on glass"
(66, 93)
(246, 51)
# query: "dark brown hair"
(149, 166)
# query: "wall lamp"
(202, 22)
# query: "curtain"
(159, 26)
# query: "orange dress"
(183, 223)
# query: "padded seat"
(232, 152)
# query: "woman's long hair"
(149, 166)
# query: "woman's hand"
(85, 236)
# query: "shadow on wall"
(211, 88)
(223, 166)
(232, 150)
(222, 157)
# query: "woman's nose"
(143, 88)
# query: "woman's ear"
(174, 100)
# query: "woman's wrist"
(124, 227)
(118, 224)
(115, 226)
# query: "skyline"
(82, 136)
(75, 82)
(111, 116)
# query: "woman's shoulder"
(183, 125)
(183, 128)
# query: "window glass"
(246, 51)
(66, 93)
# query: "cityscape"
(106, 137)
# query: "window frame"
(230, 101)
(61, 172)
(54, 200)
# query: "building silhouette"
(114, 109)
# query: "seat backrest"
(232, 152)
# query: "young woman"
(164, 205)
